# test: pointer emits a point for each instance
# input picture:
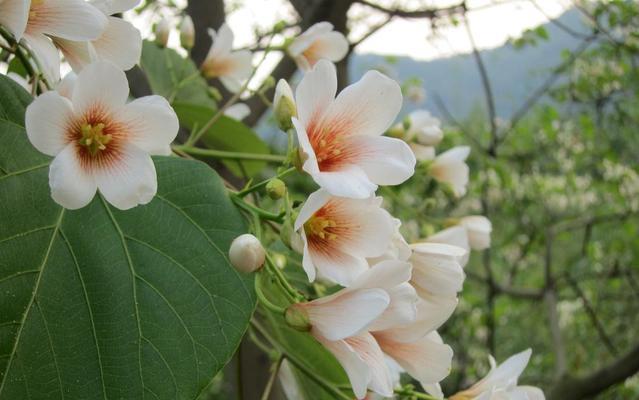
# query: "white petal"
(288, 382)
(384, 275)
(432, 312)
(367, 107)
(307, 260)
(68, 19)
(282, 89)
(356, 369)
(422, 153)
(238, 111)
(130, 181)
(77, 54)
(46, 55)
(152, 123)
(456, 154)
(331, 46)
(479, 229)
(14, 15)
(231, 84)
(303, 41)
(381, 379)
(437, 268)
(386, 161)
(72, 186)
(346, 312)
(350, 182)
(120, 43)
(531, 392)
(222, 42)
(401, 310)
(100, 84)
(337, 266)
(426, 360)
(46, 120)
(315, 201)
(315, 92)
(433, 389)
(110, 7)
(456, 236)
(66, 85)
(508, 372)
(425, 128)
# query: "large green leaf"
(225, 134)
(173, 76)
(100, 303)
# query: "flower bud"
(187, 33)
(297, 318)
(276, 189)
(284, 105)
(162, 30)
(246, 253)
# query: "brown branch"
(571, 388)
(423, 13)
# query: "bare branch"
(423, 13)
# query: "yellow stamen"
(93, 138)
(318, 226)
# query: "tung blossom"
(232, 68)
(478, 229)
(340, 138)
(339, 233)
(450, 168)
(437, 269)
(424, 128)
(501, 382)
(381, 297)
(318, 42)
(120, 42)
(99, 141)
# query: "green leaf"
(102, 303)
(225, 134)
(173, 76)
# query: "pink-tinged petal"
(456, 236)
(120, 43)
(356, 369)
(386, 161)
(67, 19)
(100, 84)
(66, 85)
(428, 360)
(72, 186)
(152, 124)
(315, 93)
(401, 310)
(332, 46)
(381, 379)
(241, 64)
(46, 55)
(110, 7)
(450, 168)
(77, 54)
(14, 15)
(314, 202)
(384, 275)
(306, 39)
(432, 312)
(337, 266)
(47, 120)
(346, 312)
(367, 107)
(130, 180)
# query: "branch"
(423, 13)
(570, 388)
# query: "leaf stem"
(264, 301)
(260, 185)
(229, 155)
(269, 385)
(289, 290)
(328, 386)
(263, 214)
(17, 50)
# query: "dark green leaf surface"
(225, 134)
(99, 303)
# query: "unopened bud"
(162, 30)
(246, 253)
(279, 260)
(276, 189)
(297, 318)
(396, 131)
(187, 33)
(284, 105)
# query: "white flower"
(424, 128)
(397, 249)
(340, 138)
(238, 111)
(284, 105)
(119, 43)
(422, 153)
(187, 32)
(456, 236)
(437, 269)
(501, 382)
(416, 94)
(99, 141)
(246, 253)
(450, 168)
(39, 21)
(341, 322)
(232, 68)
(478, 228)
(162, 32)
(316, 43)
(339, 233)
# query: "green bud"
(297, 318)
(284, 107)
(276, 189)
(187, 33)
(279, 260)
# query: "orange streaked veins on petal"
(329, 227)
(328, 139)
